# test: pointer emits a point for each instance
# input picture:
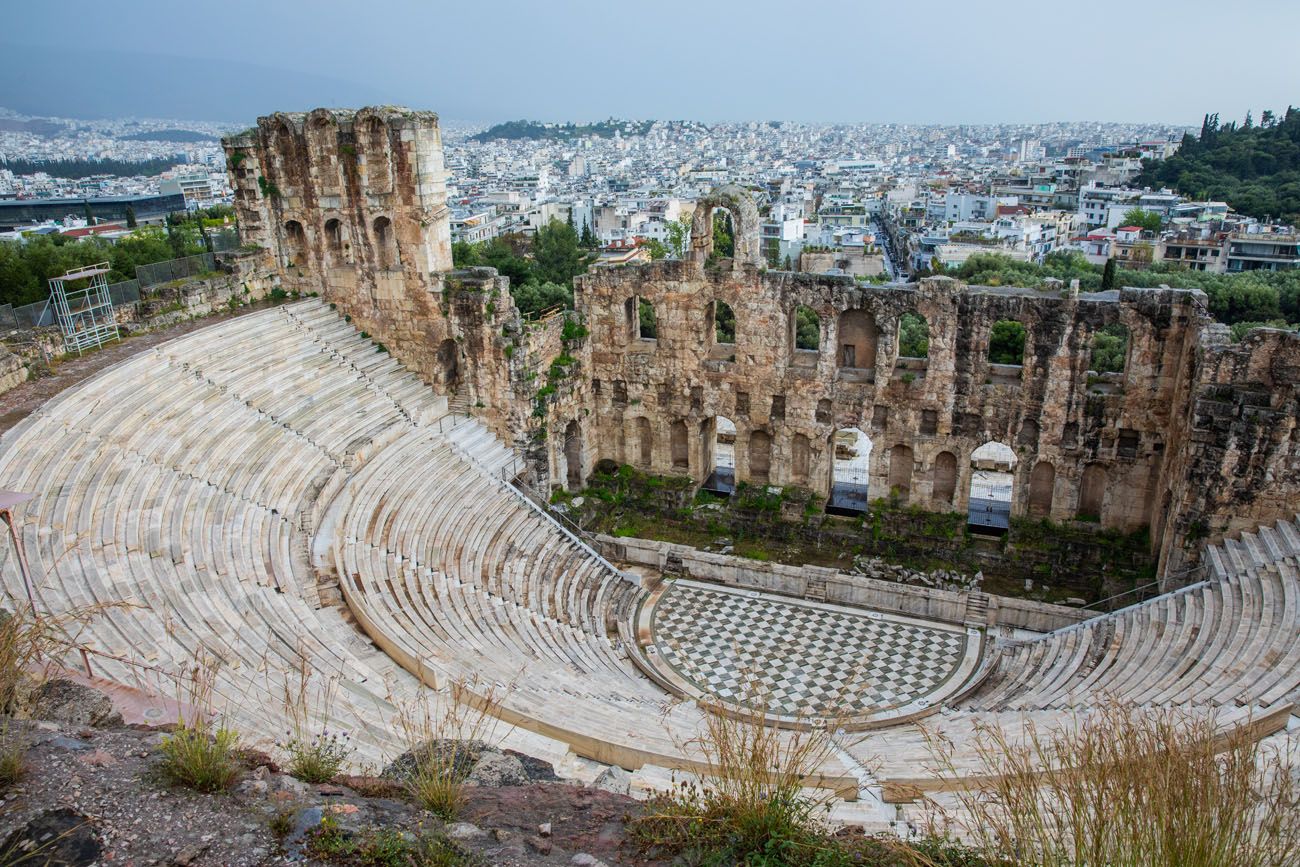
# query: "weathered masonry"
(767, 372)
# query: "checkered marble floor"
(805, 659)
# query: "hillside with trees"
(86, 168)
(531, 129)
(1253, 166)
(174, 135)
(1240, 300)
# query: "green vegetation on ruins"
(789, 525)
(1254, 167)
(26, 268)
(541, 269)
(532, 129)
(1250, 299)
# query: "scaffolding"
(85, 314)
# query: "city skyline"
(872, 63)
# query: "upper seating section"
(1230, 640)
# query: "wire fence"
(175, 269)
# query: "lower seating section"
(1231, 640)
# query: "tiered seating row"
(1233, 639)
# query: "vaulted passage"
(850, 471)
(992, 479)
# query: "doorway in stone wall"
(850, 472)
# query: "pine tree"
(589, 241)
(130, 217)
(1108, 275)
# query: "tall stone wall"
(1194, 439)
(352, 205)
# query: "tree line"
(26, 268)
(74, 169)
(541, 268)
(1254, 167)
(1247, 299)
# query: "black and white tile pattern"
(802, 659)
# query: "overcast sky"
(925, 61)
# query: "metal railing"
(175, 269)
(1115, 612)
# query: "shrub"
(201, 755)
(441, 744)
(319, 758)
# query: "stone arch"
(573, 455)
(387, 257)
(722, 319)
(1092, 493)
(1007, 342)
(640, 321)
(800, 459)
(858, 334)
(1042, 487)
(760, 457)
(718, 445)
(322, 146)
(825, 411)
(1028, 433)
(944, 484)
(645, 442)
(850, 466)
(679, 446)
(913, 336)
(449, 364)
(992, 481)
(375, 151)
(335, 245)
(900, 472)
(745, 226)
(286, 148)
(295, 243)
(805, 333)
(1108, 351)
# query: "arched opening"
(1092, 493)
(573, 456)
(334, 242)
(1042, 486)
(944, 484)
(900, 473)
(374, 144)
(825, 410)
(992, 478)
(723, 319)
(322, 134)
(724, 235)
(913, 336)
(678, 445)
(289, 175)
(857, 341)
(805, 335)
(850, 471)
(1007, 343)
(1109, 349)
(800, 459)
(449, 362)
(645, 442)
(760, 457)
(639, 319)
(720, 455)
(295, 244)
(386, 257)
(1028, 433)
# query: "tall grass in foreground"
(1129, 788)
(202, 752)
(443, 744)
(751, 805)
(315, 753)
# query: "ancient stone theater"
(354, 485)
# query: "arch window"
(1007, 343)
(857, 340)
(992, 477)
(295, 243)
(1109, 349)
(850, 471)
(944, 485)
(386, 255)
(1092, 493)
(913, 336)
(1042, 486)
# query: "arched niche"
(745, 224)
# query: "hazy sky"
(929, 61)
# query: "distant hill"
(531, 129)
(37, 126)
(86, 168)
(1254, 166)
(178, 135)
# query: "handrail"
(1182, 574)
(522, 492)
(1065, 630)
